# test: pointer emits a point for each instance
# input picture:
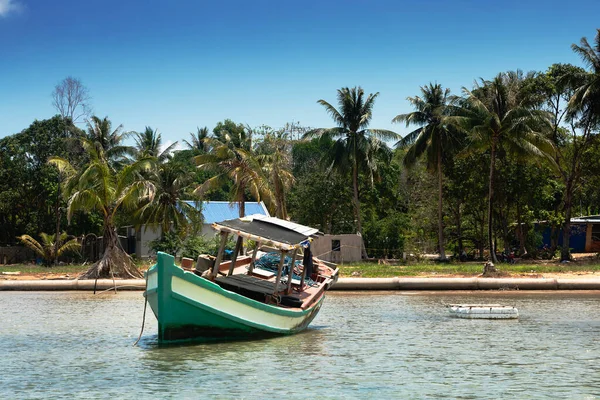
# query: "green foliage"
(169, 243)
(196, 245)
(357, 148)
(28, 185)
(47, 248)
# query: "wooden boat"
(244, 295)
(483, 311)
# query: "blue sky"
(175, 65)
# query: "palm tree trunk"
(565, 252)
(491, 202)
(441, 244)
(57, 212)
(356, 202)
(521, 231)
(115, 261)
(242, 210)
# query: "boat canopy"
(275, 232)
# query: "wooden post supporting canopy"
(256, 247)
(238, 246)
(303, 274)
(291, 273)
(279, 269)
(215, 270)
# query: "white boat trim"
(237, 310)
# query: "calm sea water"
(362, 345)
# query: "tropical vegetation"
(479, 172)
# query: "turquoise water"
(362, 345)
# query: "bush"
(170, 243)
(195, 245)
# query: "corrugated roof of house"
(217, 211)
(588, 218)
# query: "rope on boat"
(144, 315)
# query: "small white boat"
(483, 311)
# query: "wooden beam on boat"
(254, 253)
(238, 246)
(291, 273)
(279, 269)
(215, 270)
(303, 275)
(268, 242)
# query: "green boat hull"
(189, 307)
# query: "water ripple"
(362, 345)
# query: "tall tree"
(495, 116)
(197, 141)
(275, 159)
(72, 99)
(100, 187)
(586, 98)
(433, 138)
(231, 159)
(168, 207)
(583, 118)
(108, 143)
(149, 144)
(355, 141)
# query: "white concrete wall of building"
(350, 248)
(145, 235)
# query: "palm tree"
(168, 207)
(50, 249)
(587, 97)
(494, 117)
(108, 142)
(198, 140)
(353, 137)
(276, 164)
(99, 187)
(236, 164)
(432, 138)
(583, 118)
(149, 143)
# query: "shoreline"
(343, 284)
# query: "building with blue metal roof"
(212, 211)
(217, 211)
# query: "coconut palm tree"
(433, 138)
(50, 249)
(149, 143)
(354, 139)
(197, 140)
(276, 164)
(237, 164)
(494, 117)
(99, 187)
(108, 142)
(587, 97)
(168, 208)
(583, 118)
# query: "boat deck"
(259, 286)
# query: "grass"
(372, 270)
(66, 269)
